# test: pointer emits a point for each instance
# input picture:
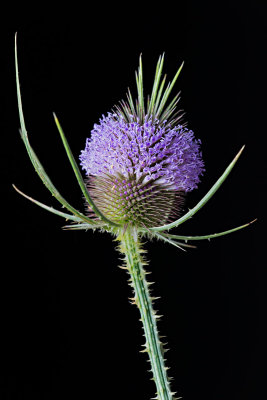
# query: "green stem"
(130, 247)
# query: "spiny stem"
(130, 247)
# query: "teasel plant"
(139, 162)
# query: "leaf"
(204, 200)
(140, 90)
(79, 176)
(165, 239)
(155, 84)
(34, 159)
(160, 92)
(173, 242)
(214, 235)
(50, 209)
(82, 226)
(167, 93)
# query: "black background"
(68, 330)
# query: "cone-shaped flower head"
(139, 162)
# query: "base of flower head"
(132, 201)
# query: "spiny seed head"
(139, 166)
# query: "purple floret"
(152, 151)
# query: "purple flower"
(139, 165)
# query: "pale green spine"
(131, 248)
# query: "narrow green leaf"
(167, 92)
(160, 93)
(171, 108)
(50, 209)
(83, 226)
(123, 109)
(214, 235)
(156, 84)
(33, 157)
(165, 238)
(131, 103)
(173, 242)
(204, 200)
(140, 89)
(79, 176)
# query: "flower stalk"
(134, 263)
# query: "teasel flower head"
(141, 160)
